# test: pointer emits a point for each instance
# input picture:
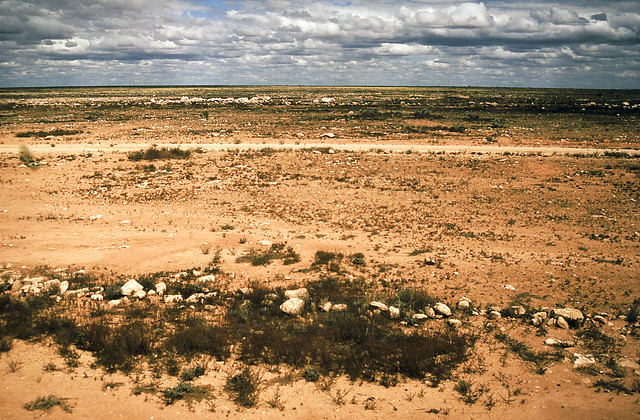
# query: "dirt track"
(426, 148)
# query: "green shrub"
(244, 387)
(192, 373)
(163, 153)
(187, 392)
(54, 132)
(47, 403)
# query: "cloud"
(318, 42)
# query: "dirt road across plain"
(425, 148)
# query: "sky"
(536, 43)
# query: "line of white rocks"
(296, 299)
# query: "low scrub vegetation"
(54, 132)
(154, 153)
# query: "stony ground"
(531, 230)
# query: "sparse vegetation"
(244, 386)
(163, 153)
(48, 403)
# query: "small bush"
(55, 132)
(187, 392)
(47, 403)
(259, 257)
(539, 359)
(311, 374)
(26, 157)
(153, 153)
(634, 312)
(597, 341)
(192, 373)
(244, 387)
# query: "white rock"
(265, 243)
(130, 287)
(329, 135)
(151, 293)
(517, 311)
(430, 312)
(207, 279)
(538, 318)
(161, 288)
(293, 306)
(140, 294)
(562, 323)
(573, 316)
(339, 307)
(454, 322)
(495, 315)
(301, 293)
(97, 297)
(442, 309)
(394, 313)
(600, 319)
(195, 298)
(173, 298)
(464, 304)
(630, 364)
(114, 303)
(379, 305)
(50, 285)
(558, 343)
(64, 286)
(583, 360)
(326, 306)
(420, 317)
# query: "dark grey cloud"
(587, 43)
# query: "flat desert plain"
(259, 252)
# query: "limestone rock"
(97, 297)
(464, 304)
(583, 360)
(114, 303)
(573, 316)
(130, 287)
(161, 288)
(394, 313)
(442, 309)
(379, 305)
(629, 364)
(326, 306)
(173, 298)
(562, 323)
(538, 318)
(454, 322)
(430, 312)
(207, 279)
(64, 286)
(339, 307)
(50, 285)
(420, 317)
(495, 315)
(558, 343)
(301, 293)
(195, 298)
(293, 306)
(140, 294)
(600, 319)
(16, 286)
(517, 311)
